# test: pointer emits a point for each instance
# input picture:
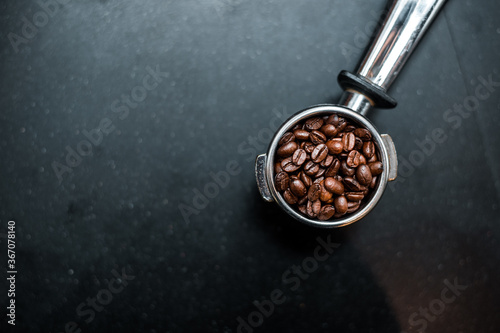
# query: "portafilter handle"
(402, 29)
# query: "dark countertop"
(225, 71)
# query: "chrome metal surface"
(400, 33)
(321, 110)
(260, 176)
(356, 102)
(393, 157)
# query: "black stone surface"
(228, 68)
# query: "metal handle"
(401, 31)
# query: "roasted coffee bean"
(362, 159)
(363, 174)
(311, 168)
(314, 192)
(299, 157)
(326, 167)
(346, 170)
(352, 206)
(359, 144)
(277, 167)
(317, 137)
(321, 172)
(353, 159)
(301, 134)
(334, 186)
(282, 181)
(353, 185)
(313, 208)
(289, 197)
(376, 168)
(307, 146)
(354, 196)
(327, 161)
(329, 130)
(313, 123)
(318, 180)
(333, 169)
(368, 149)
(349, 128)
(340, 204)
(298, 188)
(363, 134)
(305, 179)
(287, 149)
(324, 195)
(319, 153)
(335, 146)
(348, 140)
(288, 166)
(333, 119)
(287, 137)
(326, 213)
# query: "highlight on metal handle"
(402, 29)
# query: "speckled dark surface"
(230, 63)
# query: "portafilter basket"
(402, 29)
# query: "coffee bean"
(314, 192)
(313, 208)
(363, 174)
(288, 166)
(321, 172)
(311, 168)
(302, 201)
(340, 204)
(362, 159)
(326, 167)
(319, 153)
(308, 146)
(306, 180)
(327, 161)
(329, 130)
(289, 197)
(354, 196)
(286, 138)
(333, 169)
(335, 146)
(313, 123)
(334, 186)
(324, 195)
(317, 137)
(353, 159)
(277, 167)
(298, 188)
(326, 213)
(299, 157)
(301, 134)
(346, 170)
(287, 149)
(352, 184)
(363, 134)
(348, 140)
(368, 149)
(352, 206)
(376, 168)
(282, 181)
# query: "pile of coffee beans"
(326, 167)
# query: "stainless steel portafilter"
(402, 29)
